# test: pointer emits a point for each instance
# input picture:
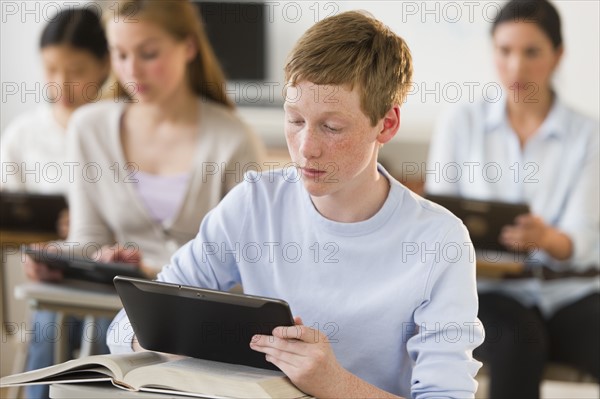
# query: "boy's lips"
(310, 172)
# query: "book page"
(103, 366)
(212, 379)
(127, 362)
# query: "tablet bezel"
(80, 268)
(144, 300)
(496, 215)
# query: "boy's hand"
(303, 354)
(38, 271)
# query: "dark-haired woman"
(74, 55)
(545, 154)
(76, 62)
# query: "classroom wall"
(452, 52)
(449, 41)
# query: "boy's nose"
(310, 145)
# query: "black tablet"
(200, 323)
(80, 268)
(484, 219)
(20, 211)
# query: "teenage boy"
(383, 279)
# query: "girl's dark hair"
(79, 28)
(539, 12)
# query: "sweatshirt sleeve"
(447, 328)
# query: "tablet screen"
(200, 323)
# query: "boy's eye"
(296, 122)
(331, 128)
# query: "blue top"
(476, 153)
(395, 294)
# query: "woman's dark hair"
(539, 12)
(79, 28)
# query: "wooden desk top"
(8, 237)
(495, 264)
(496, 270)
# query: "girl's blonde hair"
(181, 20)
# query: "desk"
(10, 243)
(23, 237)
(498, 269)
(100, 391)
(496, 264)
(76, 298)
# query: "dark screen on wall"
(237, 34)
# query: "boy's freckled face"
(330, 138)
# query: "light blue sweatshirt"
(395, 294)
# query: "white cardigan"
(33, 154)
(104, 204)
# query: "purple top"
(162, 195)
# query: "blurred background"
(450, 43)
(453, 63)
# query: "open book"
(155, 372)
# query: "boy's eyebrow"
(293, 107)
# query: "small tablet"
(21, 211)
(200, 323)
(80, 268)
(483, 219)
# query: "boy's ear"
(391, 124)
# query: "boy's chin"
(317, 188)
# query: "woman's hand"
(38, 271)
(531, 233)
(62, 224)
(528, 232)
(120, 254)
